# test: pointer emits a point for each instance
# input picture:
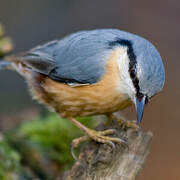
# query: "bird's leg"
(110, 117)
(125, 123)
(98, 136)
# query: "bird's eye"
(146, 100)
(140, 96)
(133, 74)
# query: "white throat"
(126, 85)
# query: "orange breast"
(100, 98)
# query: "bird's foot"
(124, 123)
(129, 124)
(98, 136)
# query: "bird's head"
(141, 70)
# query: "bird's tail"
(4, 64)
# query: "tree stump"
(101, 162)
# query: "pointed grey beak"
(140, 108)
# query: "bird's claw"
(75, 143)
(129, 124)
(98, 136)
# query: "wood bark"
(101, 162)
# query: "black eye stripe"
(133, 74)
(146, 100)
(132, 61)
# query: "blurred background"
(30, 23)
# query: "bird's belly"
(85, 105)
(85, 100)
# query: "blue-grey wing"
(79, 58)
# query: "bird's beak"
(139, 103)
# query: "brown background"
(30, 23)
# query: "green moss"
(41, 147)
(54, 134)
(9, 161)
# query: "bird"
(92, 72)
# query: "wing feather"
(79, 58)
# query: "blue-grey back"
(81, 57)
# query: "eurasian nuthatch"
(92, 72)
